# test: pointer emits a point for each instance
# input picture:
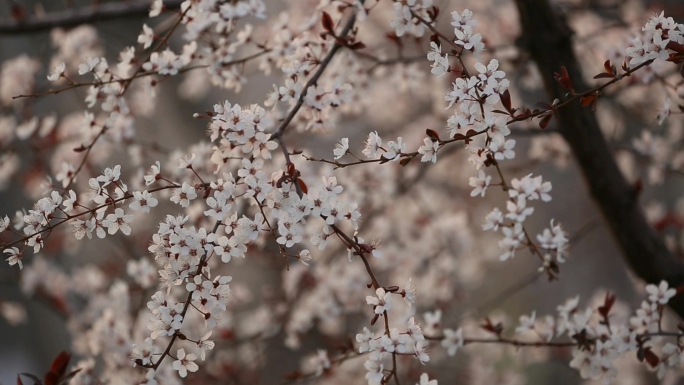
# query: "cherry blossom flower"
(14, 257)
(429, 150)
(373, 145)
(118, 221)
(144, 353)
(56, 72)
(375, 372)
(480, 184)
(185, 363)
(463, 19)
(184, 195)
(394, 149)
(321, 361)
(440, 64)
(341, 148)
(110, 175)
(527, 323)
(453, 340)
(425, 380)
(420, 351)
(664, 111)
(382, 301)
(146, 37)
(88, 65)
(143, 201)
(493, 220)
(502, 148)
(205, 344)
(409, 293)
(513, 237)
(660, 294)
(153, 174)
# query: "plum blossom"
(381, 302)
(184, 195)
(185, 363)
(429, 150)
(660, 294)
(341, 148)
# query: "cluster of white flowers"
(405, 20)
(463, 30)
(652, 45)
(598, 337)
(409, 342)
(476, 98)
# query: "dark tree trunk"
(547, 38)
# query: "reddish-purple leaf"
(563, 78)
(677, 47)
(355, 46)
(545, 121)
(432, 134)
(302, 186)
(506, 100)
(603, 75)
(646, 354)
(433, 12)
(608, 303)
(587, 100)
(60, 363)
(327, 23)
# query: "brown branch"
(314, 79)
(85, 15)
(549, 41)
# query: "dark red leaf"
(302, 186)
(51, 378)
(405, 161)
(433, 12)
(432, 134)
(610, 69)
(563, 78)
(66, 378)
(604, 75)
(650, 357)
(608, 303)
(60, 363)
(355, 46)
(375, 319)
(291, 169)
(36, 380)
(545, 121)
(506, 100)
(588, 100)
(677, 47)
(327, 23)
(488, 326)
